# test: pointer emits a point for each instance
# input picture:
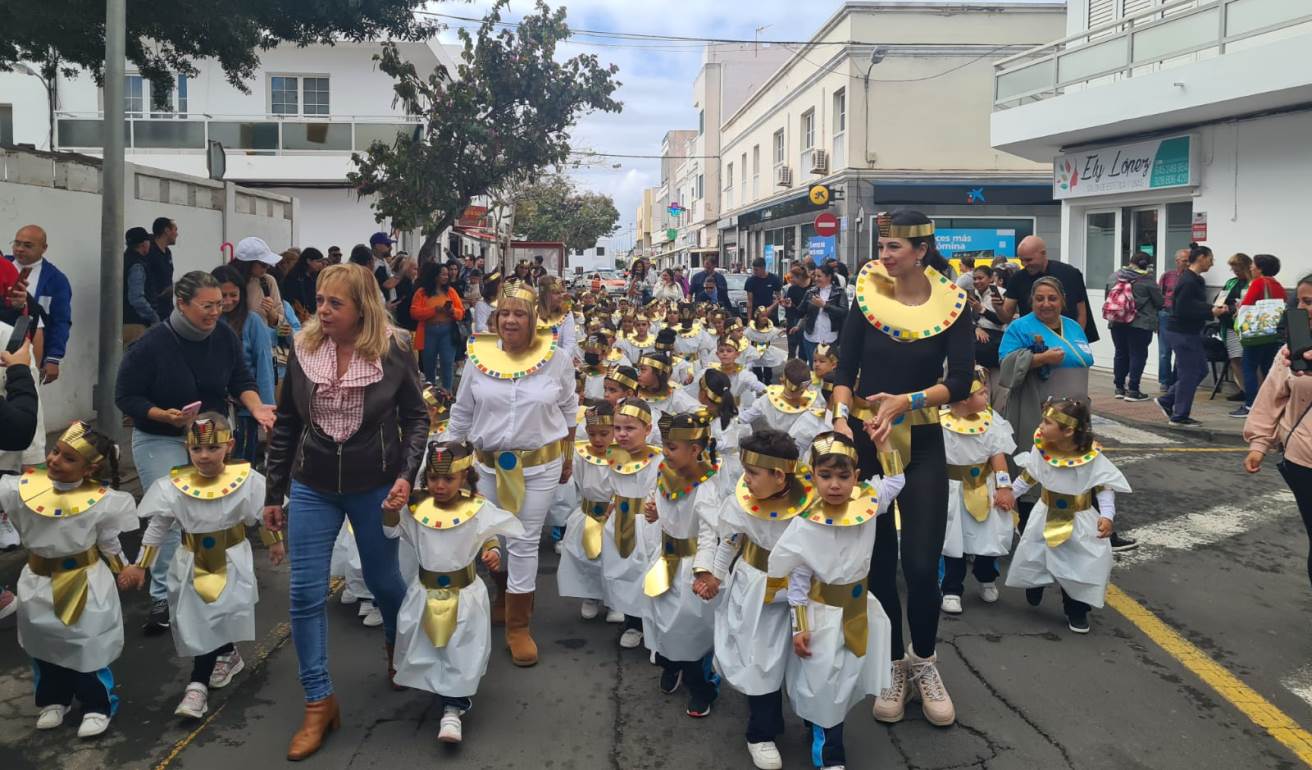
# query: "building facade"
(1165, 123)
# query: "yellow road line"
(1174, 449)
(1262, 712)
(271, 642)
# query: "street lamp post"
(111, 219)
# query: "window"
(284, 96)
(700, 188)
(6, 124)
(728, 177)
(839, 152)
(779, 147)
(299, 95)
(701, 122)
(808, 130)
(139, 98)
(316, 96)
(756, 171)
(134, 96)
(601, 251)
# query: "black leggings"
(923, 503)
(202, 666)
(1299, 479)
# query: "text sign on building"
(979, 241)
(1150, 165)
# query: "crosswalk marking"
(1300, 683)
(1189, 531)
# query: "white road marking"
(1300, 683)
(1199, 529)
(1116, 431)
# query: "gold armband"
(801, 624)
(271, 536)
(841, 411)
(1028, 479)
(892, 463)
(114, 561)
(491, 545)
(391, 518)
(146, 559)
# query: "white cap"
(256, 250)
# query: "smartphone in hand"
(1300, 339)
(192, 409)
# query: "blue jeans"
(440, 343)
(1190, 367)
(1165, 373)
(154, 457)
(1257, 364)
(313, 521)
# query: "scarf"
(186, 329)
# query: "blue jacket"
(258, 353)
(53, 284)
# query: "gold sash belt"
(851, 598)
(509, 468)
(442, 608)
(661, 574)
(594, 527)
(974, 487)
(759, 558)
(626, 524)
(68, 580)
(210, 566)
(900, 438)
(1060, 521)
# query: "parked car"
(612, 281)
(737, 292)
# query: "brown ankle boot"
(519, 610)
(391, 669)
(499, 601)
(321, 717)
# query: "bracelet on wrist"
(918, 400)
(801, 624)
(1002, 479)
(146, 559)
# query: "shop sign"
(820, 248)
(981, 241)
(1198, 229)
(1150, 165)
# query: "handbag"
(1258, 324)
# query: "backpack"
(1120, 307)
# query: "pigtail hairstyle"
(110, 451)
(716, 383)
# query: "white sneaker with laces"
(374, 619)
(988, 592)
(631, 638)
(93, 725)
(614, 616)
(348, 597)
(195, 701)
(225, 668)
(51, 717)
(951, 604)
(589, 609)
(934, 698)
(765, 755)
(450, 729)
(366, 607)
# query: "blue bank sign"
(979, 241)
(1150, 165)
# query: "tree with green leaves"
(553, 209)
(166, 37)
(503, 118)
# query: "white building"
(670, 227)
(1166, 122)
(307, 110)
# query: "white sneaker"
(93, 725)
(366, 607)
(589, 609)
(348, 597)
(195, 702)
(951, 604)
(631, 638)
(614, 616)
(51, 717)
(450, 731)
(375, 617)
(558, 546)
(765, 755)
(988, 592)
(225, 668)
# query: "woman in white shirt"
(486, 304)
(518, 408)
(824, 308)
(667, 288)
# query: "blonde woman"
(553, 314)
(351, 399)
(518, 408)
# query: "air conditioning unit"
(819, 162)
(783, 177)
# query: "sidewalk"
(1217, 425)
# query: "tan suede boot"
(519, 610)
(934, 698)
(321, 718)
(499, 601)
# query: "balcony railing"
(1168, 34)
(245, 134)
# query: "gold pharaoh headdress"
(207, 433)
(884, 220)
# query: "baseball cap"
(378, 238)
(256, 250)
(136, 235)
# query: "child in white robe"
(630, 541)
(579, 574)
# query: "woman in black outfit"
(908, 318)
(794, 302)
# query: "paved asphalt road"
(1220, 581)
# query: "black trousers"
(58, 686)
(764, 373)
(694, 677)
(827, 746)
(202, 666)
(464, 704)
(923, 503)
(632, 622)
(765, 716)
(1299, 479)
(984, 568)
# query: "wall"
(332, 217)
(62, 194)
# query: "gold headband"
(520, 291)
(887, 229)
(696, 433)
(663, 346)
(1061, 418)
(590, 417)
(976, 386)
(636, 412)
(654, 363)
(442, 462)
(710, 394)
(825, 351)
(793, 388)
(622, 378)
(829, 444)
(766, 461)
(207, 433)
(76, 437)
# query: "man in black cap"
(139, 312)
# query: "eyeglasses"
(208, 307)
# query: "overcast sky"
(656, 77)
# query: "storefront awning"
(477, 234)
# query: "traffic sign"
(826, 224)
(819, 195)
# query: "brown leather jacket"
(388, 446)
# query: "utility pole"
(111, 220)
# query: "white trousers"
(540, 484)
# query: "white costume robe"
(771, 411)
(578, 576)
(623, 574)
(966, 534)
(678, 623)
